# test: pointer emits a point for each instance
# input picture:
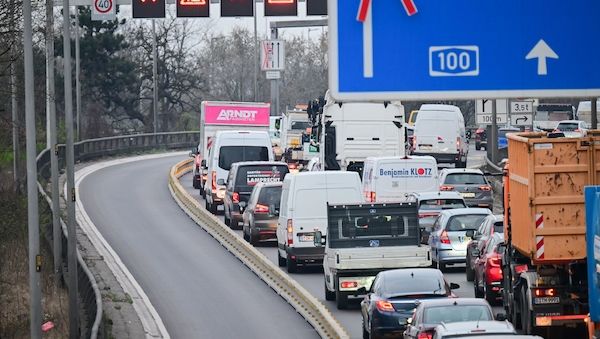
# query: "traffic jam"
(385, 213)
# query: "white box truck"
(225, 116)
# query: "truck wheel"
(341, 299)
(330, 296)
(280, 260)
(292, 266)
(526, 317)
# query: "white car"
(572, 128)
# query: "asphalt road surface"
(198, 288)
(312, 278)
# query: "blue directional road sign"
(453, 49)
(592, 216)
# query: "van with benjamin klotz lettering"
(392, 179)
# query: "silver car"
(469, 329)
(448, 239)
(470, 183)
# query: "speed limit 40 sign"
(104, 10)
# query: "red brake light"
(373, 197)
(485, 188)
(236, 197)
(545, 292)
(425, 215)
(425, 335)
(384, 306)
(261, 209)
(521, 268)
(349, 284)
(446, 188)
(494, 261)
(214, 180)
(458, 143)
(292, 166)
(444, 238)
(290, 230)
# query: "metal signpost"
(415, 49)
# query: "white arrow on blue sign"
(463, 49)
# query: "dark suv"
(243, 176)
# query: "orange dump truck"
(544, 263)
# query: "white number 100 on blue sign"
(453, 61)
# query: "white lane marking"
(151, 320)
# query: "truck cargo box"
(546, 181)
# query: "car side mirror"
(221, 182)
(454, 286)
(500, 317)
(318, 239)
(470, 234)
(203, 163)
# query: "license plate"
(546, 300)
(306, 238)
(425, 147)
(468, 195)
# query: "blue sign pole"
(592, 216)
(440, 49)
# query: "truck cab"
(364, 239)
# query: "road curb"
(309, 307)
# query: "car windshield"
(456, 313)
(414, 285)
(232, 154)
(300, 125)
(440, 204)
(464, 222)
(567, 126)
(465, 179)
(270, 196)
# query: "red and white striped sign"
(539, 240)
(209, 141)
(363, 8)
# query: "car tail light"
(290, 230)
(425, 215)
(214, 180)
(444, 238)
(446, 188)
(384, 306)
(485, 188)
(545, 292)
(372, 196)
(292, 166)
(261, 209)
(479, 131)
(521, 268)
(236, 197)
(458, 143)
(494, 261)
(425, 335)
(349, 284)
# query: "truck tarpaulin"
(240, 114)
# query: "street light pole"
(77, 73)
(255, 51)
(154, 77)
(35, 302)
(70, 164)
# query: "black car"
(261, 214)
(395, 294)
(243, 176)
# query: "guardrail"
(306, 304)
(91, 299)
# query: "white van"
(228, 148)
(440, 132)
(392, 179)
(303, 211)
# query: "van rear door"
(396, 178)
(436, 133)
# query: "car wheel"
(364, 328)
(488, 294)
(476, 289)
(330, 296)
(202, 193)
(195, 183)
(478, 147)
(440, 265)
(280, 260)
(469, 270)
(226, 220)
(234, 224)
(252, 239)
(341, 299)
(213, 209)
(292, 265)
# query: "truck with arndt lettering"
(363, 239)
(544, 263)
(225, 116)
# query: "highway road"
(312, 278)
(198, 288)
